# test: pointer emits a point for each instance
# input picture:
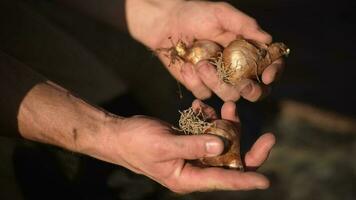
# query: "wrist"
(106, 144)
(95, 126)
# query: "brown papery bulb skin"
(246, 59)
(231, 157)
(198, 51)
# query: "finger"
(193, 83)
(260, 150)
(208, 111)
(256, 33)
(194, 146)
(225, 38)
(272, 72)
(239, 23)
(193, 178)
(208, 75)
(228, 112)
(254, 91)
(174, 68)
(185, 74)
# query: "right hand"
(188, 20)
(150, 147)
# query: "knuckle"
(215, 86)
(225, 99)
(179, 190)
(158, 149)
(203, 95)
(174, 186)
(232, 96)
(214, 83)
(253, 23)
(223, 4)
(269, 38)
(238, 186)
(196, 86)
(254, 94)
(195, 149)
(253, 98)
(227, 93)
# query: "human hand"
(219, 22)
(150, 147)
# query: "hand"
(148, 146)
(220, 22)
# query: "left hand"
(188, 20)
(151, 147)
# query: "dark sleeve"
(112, 12)
(16, 80)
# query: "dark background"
(311, 109)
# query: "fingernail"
(213, 148)
(246, 90)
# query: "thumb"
(256, 33)
(192, 147)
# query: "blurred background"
(311, 109)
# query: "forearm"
(45, 112)
(51, 114)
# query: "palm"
(153, 158)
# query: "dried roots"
(194, 123)
(224, 73)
